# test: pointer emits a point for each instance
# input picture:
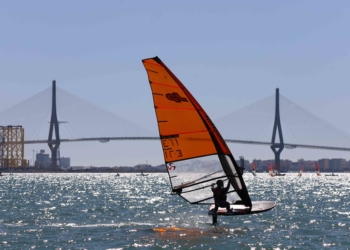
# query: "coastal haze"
(228, 54)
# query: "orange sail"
(317, 169)
(187, 133)
(300, 170)
(271, 173)
(185, 129)
(254, 166)
(269, 167)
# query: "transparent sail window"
(229, 167)
(193, 178)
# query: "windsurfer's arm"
(228, 186)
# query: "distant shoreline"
(121, 172)
(75, 171)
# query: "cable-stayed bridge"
(254, 124)
(79, 120)
(278, 122)
(274, 121)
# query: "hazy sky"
(228, 53)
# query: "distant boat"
(117, 174)
(317, 169)
(331, 174)
(279, 174)
(189, 138)
(142, 174)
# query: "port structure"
(12, 147)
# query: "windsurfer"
(220, 195)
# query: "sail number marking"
(167, 143)
(169, 148)
(172, 153)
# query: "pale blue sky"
(228, 53)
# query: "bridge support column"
(54, 129)
(277, 147)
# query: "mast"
(277, 147)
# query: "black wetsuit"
(220, 197)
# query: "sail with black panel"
(195, 153)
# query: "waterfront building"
(324, 165)
(42, 160)
(336, 165)
(65, 162)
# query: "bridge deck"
(106, 139)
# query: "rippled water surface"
(103, 211)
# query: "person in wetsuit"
(220, 195)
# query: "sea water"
(105, 211)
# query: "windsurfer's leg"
(228, 208)
(216, 207)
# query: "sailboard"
(142, 174)
(271, 173)
(332, 174)
(254, 168)
(317, 169)
(300, 171)
(194, 151)
(277, 172)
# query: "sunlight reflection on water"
(108, 212)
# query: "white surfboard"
(238, 209)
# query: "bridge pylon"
(54, 129)
(277, 147)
